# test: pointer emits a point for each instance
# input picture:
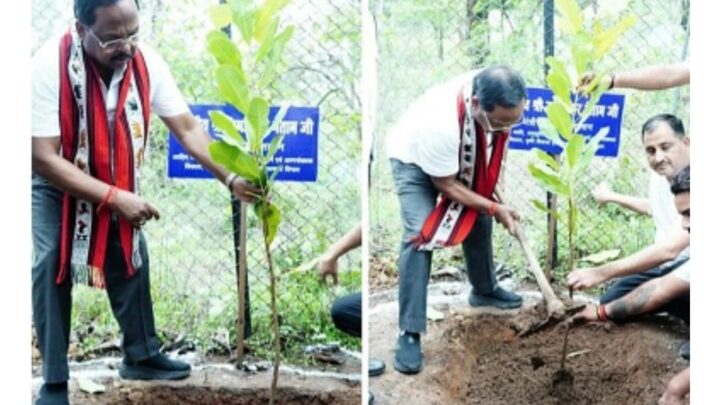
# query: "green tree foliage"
(569, 111)
(243, 75)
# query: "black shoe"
(685, 350)
(500, 298)
(53, 394)
(375, 367)
(158, 367)
(408, 355)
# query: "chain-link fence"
(426, 42)
(191, 248)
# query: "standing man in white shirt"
(451, 142)
(92, 94)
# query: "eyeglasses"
(113, 44)
(501, 129)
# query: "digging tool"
(556, 309)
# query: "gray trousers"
(129, 297)
(418, 197)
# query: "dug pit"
(606, 364)
(475, 356)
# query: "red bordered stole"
(87, 142)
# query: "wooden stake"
(241, 277)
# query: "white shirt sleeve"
(45, 102)
(166, 100)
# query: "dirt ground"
(474, 357)
(216, 386)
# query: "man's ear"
(475, 101)
(686, 140)
(80, 28)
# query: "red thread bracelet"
(602, 313)
(493, 207)
(108, 199)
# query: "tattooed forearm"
(635, 303)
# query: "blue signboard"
(606, 113)
(296, 159)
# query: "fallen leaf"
(602, 257)
(434, 315)
(90, 386)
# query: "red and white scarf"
(450, 222)
(114, 159)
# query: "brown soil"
(383, 273)
(607, 364)
(218, 386)
(210, 396)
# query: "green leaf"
(582, 51)
(560, 119)
(245, 21)
(236, 160)
(270, 214)
(571, 11)
(257, 116)
(547, 159)
(267, 41)
(270, 72)
(589, 150)
(560, 86)
(539, 205)
(549, 131)
(265, 14)
(232, 86)
(282, 39)
(549, 181)
(604, 41)
(227, 125)
(223, 49)
(574, 149)
(221, 15)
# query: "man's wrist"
(230, 179)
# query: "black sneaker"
(500, 298)
(158, 367)
(408, 355)
(53, 394)
(685, 350)
(375, 367)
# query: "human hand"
(602, 193)
(588, 84)
(507, 216)
(327, 266)
(133, 208)
(580, 279)
(245, 191)
(588, 314)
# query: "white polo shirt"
(662, 206)
(165, 97)
(427, 134)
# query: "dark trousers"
(679, 307)
(346, 314)
(418, 197)
(129, 297)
